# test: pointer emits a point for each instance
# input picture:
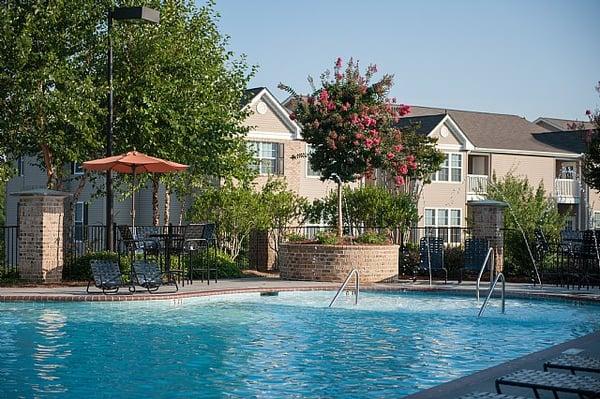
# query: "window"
(443, 223)
(80, 220)
(310, 172)
(20, 167)
(268, 156)
(451, 169)
(76, 168)
(596, 221)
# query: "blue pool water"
(249, 345)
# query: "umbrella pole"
(133, 205)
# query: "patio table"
(168, 239)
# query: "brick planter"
(316, 262)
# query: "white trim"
(258, 135)
(437, 208)
(456, 132)
(527, 152)
(542, 119)
(450, 147)
(279, 110)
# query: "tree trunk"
(47, 154)
(167, 206)
(340, 224)
(155, 212)
(183, 204)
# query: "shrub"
(78, 269)
(294, 237)
(226, 266)
(327, 238)
(453, 258)
(372, 238)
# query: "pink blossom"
(338, 62)
(324, 96)
(359, 136)
(345, 106)
(404, 109)
(403, 169)
(390, 155)
(374, 132)
(398, 147)
(399, 180)
(330, 106)
(410, 158)
(369, 143)
(354, 119)
(338, 76)
(412, 165)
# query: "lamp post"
(142, 14)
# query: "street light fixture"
(142, 14)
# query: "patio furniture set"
(151, 251)
(584, 386)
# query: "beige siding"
(268, 122)
(439, 133)
(537, 169)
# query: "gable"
(268, 116)
(445, 135)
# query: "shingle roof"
(564, 124)
(249, 94)
(423, 124)
(504, 131)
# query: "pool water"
(290, 345)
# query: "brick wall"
(315, 262)
(41, 221)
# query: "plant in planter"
(351, 126)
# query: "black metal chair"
(147, 274)
(106, 276)
(133, 244)
(476, 250)
(199, 239)
(431, 254)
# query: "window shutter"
(85, 213)
(280, 158)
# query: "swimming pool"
(290, 345)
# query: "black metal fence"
(9, 250)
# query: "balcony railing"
(567, 190)
(477, 184)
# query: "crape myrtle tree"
(178, 94)
(351, 126)
(591, 158)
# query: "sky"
(525, 57)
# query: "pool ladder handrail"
(485, 262)
(500, 276)
(357, 288)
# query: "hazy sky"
(525, 57)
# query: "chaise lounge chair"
(574, 363)
(106, 276)
(431, 252)
(537, 380)
(489, 395)
(148, 275)
(476, 250)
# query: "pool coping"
(275, 285)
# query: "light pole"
(142, 14)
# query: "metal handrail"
(487, 257)
(353, 271)
(500, 275)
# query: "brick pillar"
(487, 222)
(261, 254)
(41, 227)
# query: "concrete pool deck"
(480, 381)
(258, 284)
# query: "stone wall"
(41, 221)
(314, 262)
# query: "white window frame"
(435, 176)
(78, 220)
(77, 169)
(259, 158)
(308, 167)
(448, 238)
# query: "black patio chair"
(476, 250)
(489, 395)
(574, 363)
(537, 380)
(147, 274)
(134, 244)
(106, 276)
(431, 253)
(200, 239)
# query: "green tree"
(50, 85)
(591, 158)
(529, 209)
(178, 95)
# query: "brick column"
(41, 226)
(487, 222)
(261, 253)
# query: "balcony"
(476, 187)
(567, 191)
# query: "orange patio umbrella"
(134, 162)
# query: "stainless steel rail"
(357, 288)
(500, 276)
(487, 257)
